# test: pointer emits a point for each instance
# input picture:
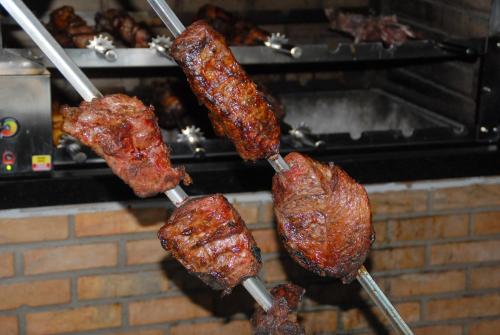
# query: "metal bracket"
(302, 135)
(279, 42)
(488, 113)
(162, 45)
(104, 46)
(193, 136)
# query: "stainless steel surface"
(258, 291)
(13, 64)
(302, 134)
(382, 302)
(254, 55)
(359, 111)
(26, 99)
(30, 24)
(168, 16)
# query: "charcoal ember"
(281, 319)
(209, 238)
(323, 217)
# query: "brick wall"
(99, 269)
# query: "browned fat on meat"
(209, 238)
(323, 217)
(281, 319)
(236, 108)
(125, 133)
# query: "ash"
(353, 112)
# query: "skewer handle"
(382, 302)
(32, 26)
(168, 16)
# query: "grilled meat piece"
(281, 319)
(124, 132)
(69, 29)
(209, 238)
(236, 108)
(370, 28)
(235, 30)
(120, 24)
(323, 217)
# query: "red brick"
(8, 325)
(169, 309)
(380, 232)
(438, 330)
(267, 240)
(274, 270)
(319, 321)
(249, 212)
(75, 257)
(141, 332)
(485, 278)
(36, 293)
(33, 229)
(397, 258)
(73, 320)
(119, 222)
(398, 202)
(121, 284)
(267, 212)
(487, 223)
(356, 318)
(478, 306)
(486, 327)
(432, 227)
(427, 283)
(465, 252)
(6, 265)
(473, 196)
(145, 251)
(240, 327)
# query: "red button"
(8, 157)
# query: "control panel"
(25, 125)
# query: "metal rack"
(255, 55)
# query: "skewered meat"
(281, 319)
(209, 238)
(370, 28)
(120, 24)
(124, 132)
(235, 30)
(236, 108)
(69, 29)
(323, 217)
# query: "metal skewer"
(280, 165)
(25, 18)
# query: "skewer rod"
(168, 16)
(25, 18)
(258, 291)
(382, 302)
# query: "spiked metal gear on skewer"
(103, 46)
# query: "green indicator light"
(8, 167)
